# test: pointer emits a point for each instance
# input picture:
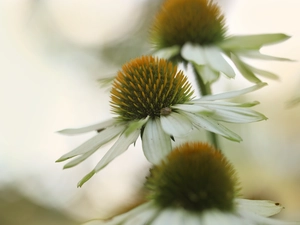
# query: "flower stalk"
(204, 90)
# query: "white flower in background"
(154, 100)
(195, 185)
(194, 31)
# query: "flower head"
(148, 86)
(190, 177)
(153, 100)
(195, 184)
(180, 21)
(193, 31)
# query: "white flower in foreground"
(194, 31)
(154, 100)
(195, 185)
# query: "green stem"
(205, 89)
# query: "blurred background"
(52, 54)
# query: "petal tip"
(85, 178)
(61, 159)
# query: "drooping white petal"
(167, 53)
(258, 219)
(169, 216)
(95, 127)
(261, 207)
(143, 217)
(258, 55)
(243, 42)
(81, 158)
(193, 53)
(213, 126)
(244, 69)
(118, 148)
(263, 73)
(95, 222)
(95, 142)
(136, 125)
(216, 217)
(156, 143)
(207, 74)
(217, 61)
(120, 219)
(232, 94)
(192, 218)
(176, 124)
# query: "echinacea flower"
(195, 185)
(154, 100)
(194, 31)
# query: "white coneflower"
(194, 31)
(196, 185)
(154, 100)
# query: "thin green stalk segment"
(205, 89)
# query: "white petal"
(217, 61)
(258, 55)
(192, 108)
(171, 216)
(194, 53)
(94, 127)
(118, 148)
(213, 126)
(251, 41)
(80, 158)
(95, 142)
(263, 73)
(233, 112)
(193, 218)
(176, 124)
(258, 219)
(143, 217)
(120, 219)
(244, 69)
(156, 143)
(200, 103)
(221, 218)
(240, 115)
(136, 125)
(261, 207)
(95, 222)
(207, 74)
(167, 53)
(232, 94)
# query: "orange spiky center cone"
(181, 21)
(148, 86)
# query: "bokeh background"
(51, 54)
